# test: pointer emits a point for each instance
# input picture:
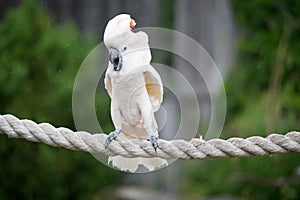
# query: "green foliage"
(167, 13)
(266, 69)
(38, 64)
(263, 97)
(39, 61)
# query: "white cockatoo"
(135, 89)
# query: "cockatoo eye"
(115, 58)
(124, 48)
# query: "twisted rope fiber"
(193, 149)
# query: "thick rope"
(193, 149)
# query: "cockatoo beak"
(115, 58)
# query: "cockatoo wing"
(139, 43)
(154, 87)
(108, 85)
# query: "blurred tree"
(263, 97)
(38, 64)
(268, 67)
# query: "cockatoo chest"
(129, 91)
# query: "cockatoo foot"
(112, 136)
(153, 140)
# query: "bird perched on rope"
(135, 89)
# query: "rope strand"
(193, 149)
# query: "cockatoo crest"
(118, 30)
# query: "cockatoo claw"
(153, 140)
(112, 136)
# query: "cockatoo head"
(124, 45)
(117, 30)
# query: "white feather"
(133, 164)
(136, 90)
